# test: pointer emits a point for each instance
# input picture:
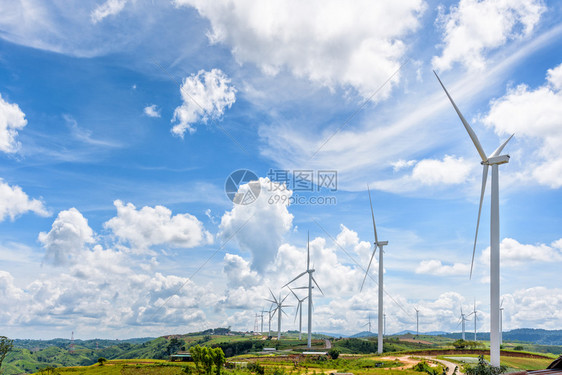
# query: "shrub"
(334, 353)
(483, 368)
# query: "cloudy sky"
(121, 121)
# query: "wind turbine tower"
(311, 279)
(380, 245)
(494, 160)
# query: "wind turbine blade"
(268, 300)
(499, 149)
(501, 304)
(315, 283)
(297, 312)
(373, 216)
(294, 294)
(284, 299)
(471, 132)
(302, 274)
(367, 272)
(308, 252)
(484, 178)
(272, 295)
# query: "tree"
(196, 355)
(101, 361)
(334, 353)
(218, 359)
(6, 345)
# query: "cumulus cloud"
(248, 223)
(109, 8)
(67, 239)
(474, 27)
(205, 96)
(14, 201)
(332, 43)
(427, 172)
(12, 119)
(436, 267)
(150, 226)
(537, 307)
(152, 111)
(514, 253)
(535, 117)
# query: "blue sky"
(120, 122)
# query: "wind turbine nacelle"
(381, 243)
(502, 159)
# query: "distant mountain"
(335, 335)
(431, 333)
(364, 334)
(529, 335)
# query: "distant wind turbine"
(475, 313)
(299, 309)
(494, 160)
(311, 279)
(380, 245)
(278, 302)
(461, 321)
(368, 323)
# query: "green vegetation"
(483, 368)
(5, 346)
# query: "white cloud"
(156, 226)
(14, 201)
(536, 307)
(205, 96)
(401, 164)
(332, 43)
(428, 172)
(238, 272)
(535, 117)
(514, 253)
(248, 223)
(152, 111)
(474, 27)
(109, 8)
(436, 267)
(67, 238)
(12, 119)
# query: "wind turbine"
(475, 319)
(261, 316)
(279, 310)
(379, 244)
(461, 321)
(299, 308)
(368, 324)
(494, 160)
(310, 280)
(417, 321)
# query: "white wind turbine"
(299, 308)
(417, 321)
(279, 310)
(494, 160)
(461, 321)
(379, 244)
(309, 287)
(368, 324)
(475, 313)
